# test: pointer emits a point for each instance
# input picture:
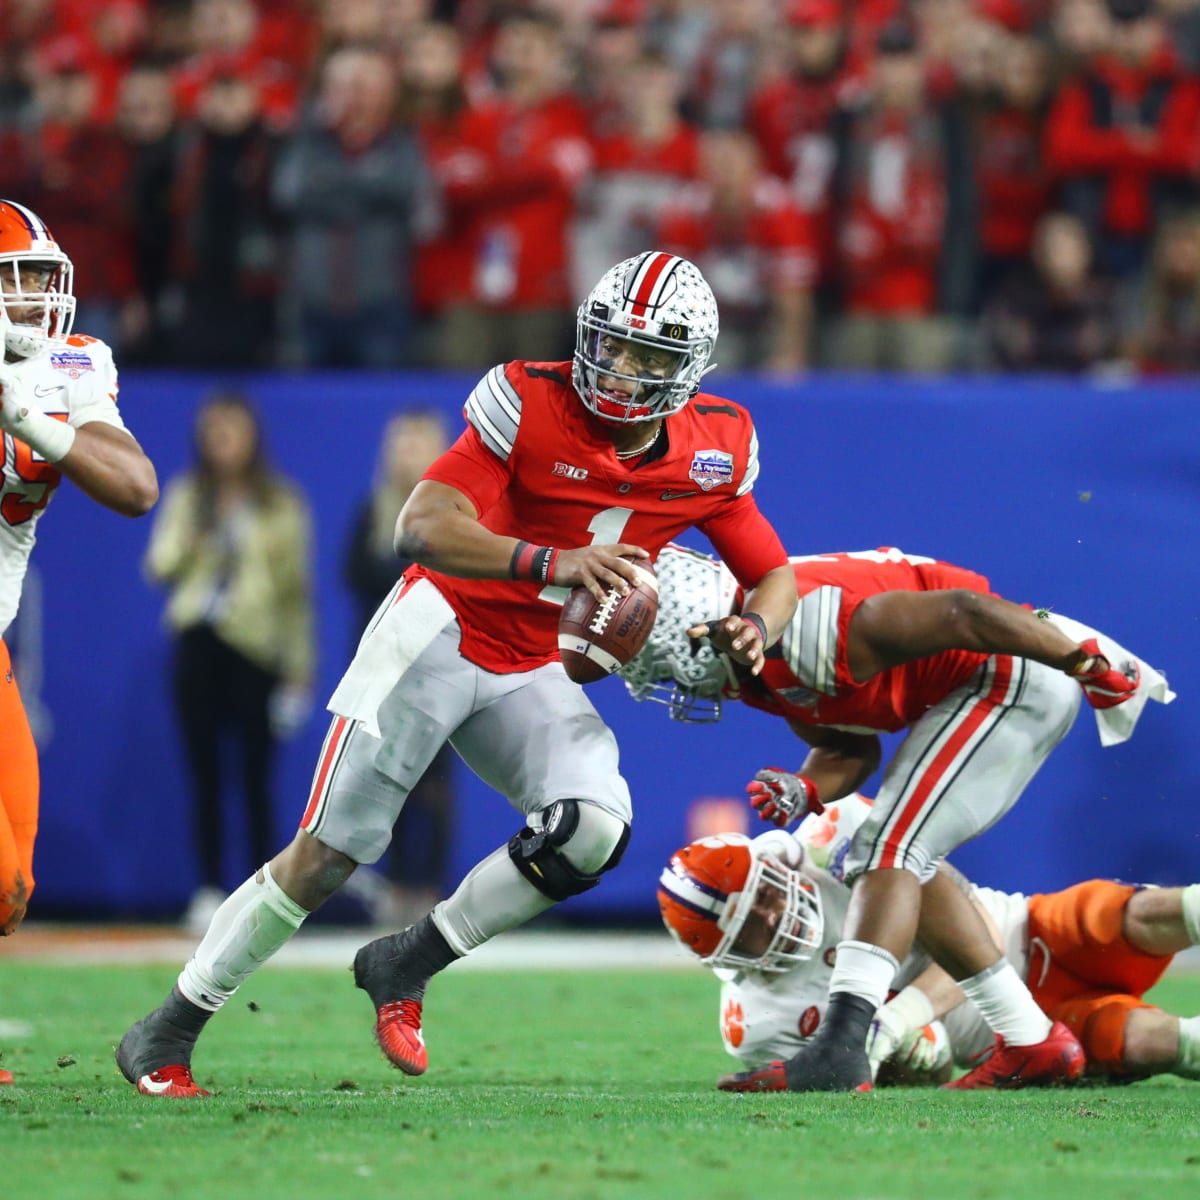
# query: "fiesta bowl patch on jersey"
(711, 468)
(73, 362)
(595, 639)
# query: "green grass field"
(580, 1085)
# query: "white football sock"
(863, 969)
(1006, 1005)
(494, 896)
(245, 931)
(1188, 1063)
(1191, 912)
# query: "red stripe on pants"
(945, 758)
(335, 738)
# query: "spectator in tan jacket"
(232, 544)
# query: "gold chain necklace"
(623, 454)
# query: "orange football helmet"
(36, 277)
(735, 908)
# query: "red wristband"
(521, 564)
(810, 794)
(530, 562)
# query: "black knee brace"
(538, 853)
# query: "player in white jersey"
(58, 416)
(766, 915)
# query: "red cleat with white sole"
(398, 1031)
(766, 1079)
(1057, 1061)
(173, 1081)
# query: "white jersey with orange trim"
(75, 380)
(768, 1017)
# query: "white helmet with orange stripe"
(644, 337)
(36, 277)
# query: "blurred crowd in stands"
(883, 184)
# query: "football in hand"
(595, 639)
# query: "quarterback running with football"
(984, 689)
(58, 416)
(566, 472)
(766, 916)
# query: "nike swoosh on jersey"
(157, 1086)
(39, 391)
(677, 495)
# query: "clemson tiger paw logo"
(733, 1024)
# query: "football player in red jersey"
(566, 470)
(884, 641)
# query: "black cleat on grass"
(835, 1060)
(155, 1054)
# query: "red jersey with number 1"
(538, 466)
(806, 677)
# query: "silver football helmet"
(656, 313)
(685, 674)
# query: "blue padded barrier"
(1076, 496)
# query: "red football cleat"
(170, 1081)
(398, 1031)
(766, 1079)
(1051, 1063)
(6, 1076)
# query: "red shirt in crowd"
(1014, 184)
(891, 228)
(768, 248)
(444, 256)
(790, 120)
(78, 178)
(1128, 125)
(519, 205)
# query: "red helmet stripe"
(651, 273)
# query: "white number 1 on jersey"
(606, 528)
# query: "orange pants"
(18, 800)
(1083, 972)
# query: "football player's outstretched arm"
(897, 627)
(108, 465)
(439, 528)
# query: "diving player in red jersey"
(885, 641)
(566, 471)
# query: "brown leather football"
(596, 639)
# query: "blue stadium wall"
(1080, 497)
